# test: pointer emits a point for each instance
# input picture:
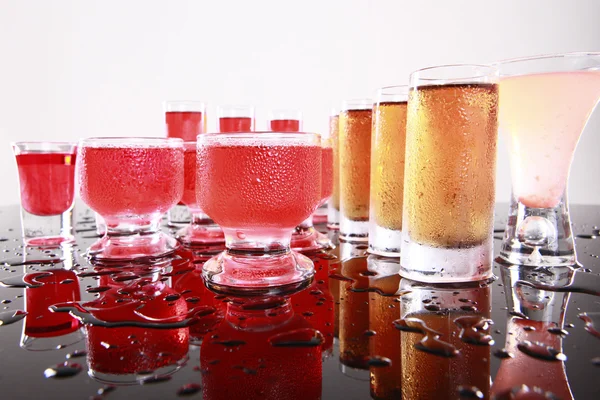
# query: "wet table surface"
(154, 331)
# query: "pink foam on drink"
(124, 181)
(326, 173)
(543, 115)
(259, 186)
(47, 182)
(185, 125)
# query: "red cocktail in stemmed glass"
(131, 183)
(285, 120)
(305, 236)
(184, 119)
(262, 186)
(202, 232)
(47, 186)
(236, 119)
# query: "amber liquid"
(451, 138)
(355, 163)
(430, 376)
(387, 163)
(333, 134)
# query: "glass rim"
(49, 142)
(392, 91)
(184, 106)
(545, 57)
(138, 141)
(261, 136)
(356, 104)
(414, 76)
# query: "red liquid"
(184, 124)
(257, 369)
(235, 124)
(125, 181)
(40, 322)
(128, 350)
(189, 182)
(285, 125)
(259, 186)
(47, 182)
(326, 173)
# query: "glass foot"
(251, 274)
(202, 236)
(305, 240)
(132, 247)
(49, 241)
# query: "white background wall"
(71, 69)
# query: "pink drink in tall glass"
(327, 174)
(131, 183)
(47, 184)
(185, 125)
(262, 186)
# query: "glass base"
(48, 241)
(320, 216)
(47, 231)
(354, 231)
(305, 240)
(446, 265)
(333, 217)
(139, 378)
(202, 236)
(132, 247)
(51, 343)
(179, 216)
(384, 242)
(251, 274)
(539, 236)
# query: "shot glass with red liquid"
(131, 183)
(320, 216)
(47, 186)
(184, 120)
(261, 186)
(236, 119)
(305, 237)
(201, 232)
(285, 120)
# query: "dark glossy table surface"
(155, 332)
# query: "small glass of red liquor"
(262, 185)
(131, 182)
(235, 118)
(285, 120)
(47, 185)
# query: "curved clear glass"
(388, 143)
(235, 118)
(131, 183)
(545, 103)
(262, 186)
(285, 120)
(201, 233)
(333, 206)
(355, 166)
(47, 190)
(449, 177)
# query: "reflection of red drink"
(47, 182)
(59, 287)
(236, 124)
(185, 125)
(285, 125)
(240, 361)
(131, 350)
(258, 185)
(121, 181)
(326, 173)
(189, 182)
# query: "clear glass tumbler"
(236, 119)
(333, 207)
(388, 145)
(131, 183)
(262, 185)
(449, 177)
(354, 169)
(285, 120)
(545, 102)
(47, 188)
